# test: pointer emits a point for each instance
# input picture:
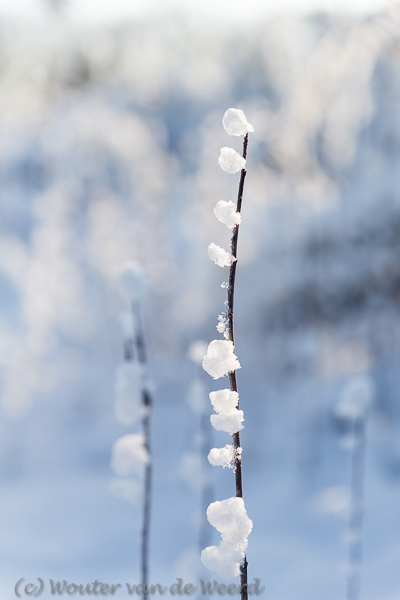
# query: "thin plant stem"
(147, 406)
(357, 508)
(232, 376)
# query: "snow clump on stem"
(227, 214)
(221, 257)
(235, 122)
(231, 161)
(221, 457)
(129, 454)
(228, 418)
(220, 359)
(230, 518)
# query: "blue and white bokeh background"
(110, 130)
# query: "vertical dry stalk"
(147, 406)
(232, 376)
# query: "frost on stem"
(129, 454)
(128, 393)
(228, 417)
(221, 257)
(227, 214)
(235, 123)
(230, 518)
(231, 161)
(220, 359)
(132, 282)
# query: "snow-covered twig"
(134, 400)
(229, 559)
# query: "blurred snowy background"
(110, 134)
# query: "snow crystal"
(197, 397)
(132, 282)
(356, 398)
(128, 393)
(231, 161)
(130, 490)
(230, 518)
(235, 122)
(220, 359)
(196, 351)
(221, 257)
(221, 457)
(227, 214)
(222, 324)
(129, 454)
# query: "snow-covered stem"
(357, 507)
(147, 404)
(231, 337)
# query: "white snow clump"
(221, 257)
(356, 398)
(235, 122)
(226, 213)
(228, 418)
(128, 393)
(220, 359)
(230, 518)
(132, 282)
(221, 457)
(129, 454)
(231, 161)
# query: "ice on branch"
(226, 213)
(230, 518)
(221, 257)
(221, 457)
(228, 418)
(132, 282)
(220, 359)
(128, 393)
(231, 161)
(130, 490)
(356, 398)
(129, 454)
(235, 122)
